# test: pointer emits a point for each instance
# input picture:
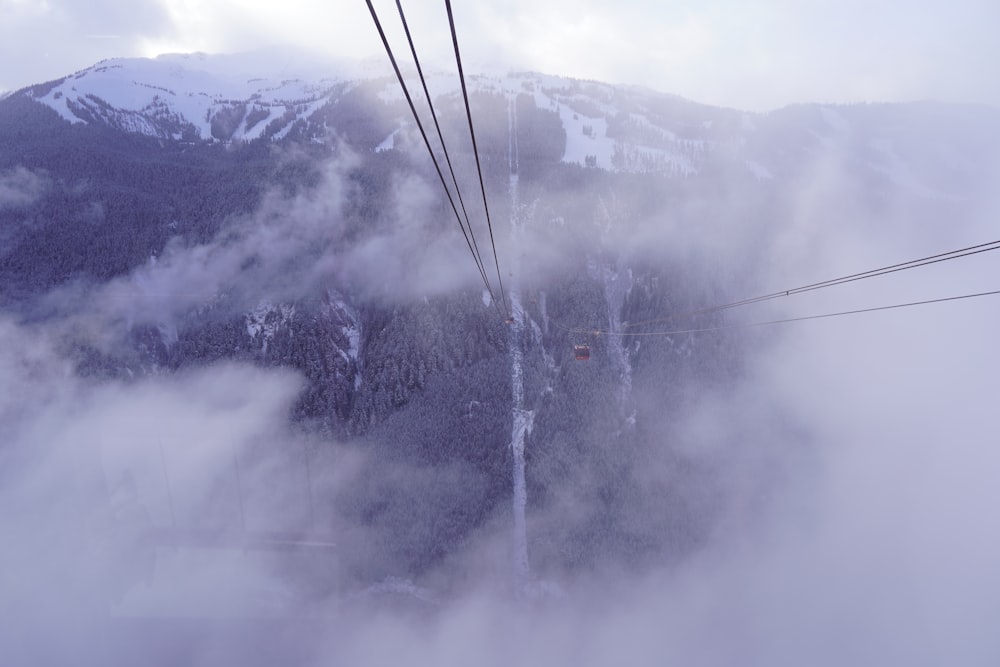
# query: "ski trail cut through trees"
(522, 419)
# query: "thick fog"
(293, 245)
(854, 458)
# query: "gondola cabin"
(581, 352)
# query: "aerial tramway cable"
(475, 149)
(893, 268)
(437, 126)
(787, 320)
(430, 150)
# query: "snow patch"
(387, 144)
(265, 320)
(617, 286)
(397, 586)
(147, 96)
(587, 143)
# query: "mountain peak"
(177, 96)
(267, 94)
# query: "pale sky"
(754, 56)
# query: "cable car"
(581, 352)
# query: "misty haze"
(265, 403)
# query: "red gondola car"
(581, 352)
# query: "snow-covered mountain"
(233, 256)
(240, 98)
(243, 98)
(166, 161)
(193, 96)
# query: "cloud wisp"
(21, 187)
(292, 247)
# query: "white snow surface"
(586, 137)
(387, 144)
(143, 95)
(194, 87)
(266, 319)
(612, 128)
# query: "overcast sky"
(754, 56)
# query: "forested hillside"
(324, 246)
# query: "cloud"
(294, 246)
(21, 187)
(66, 37)
(282, 252)
(113, 17)
(420, 253)
(878, 534)
(758, 58)
(855, 467)
(95, 474)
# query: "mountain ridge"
(195, 97)
(153, 243)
